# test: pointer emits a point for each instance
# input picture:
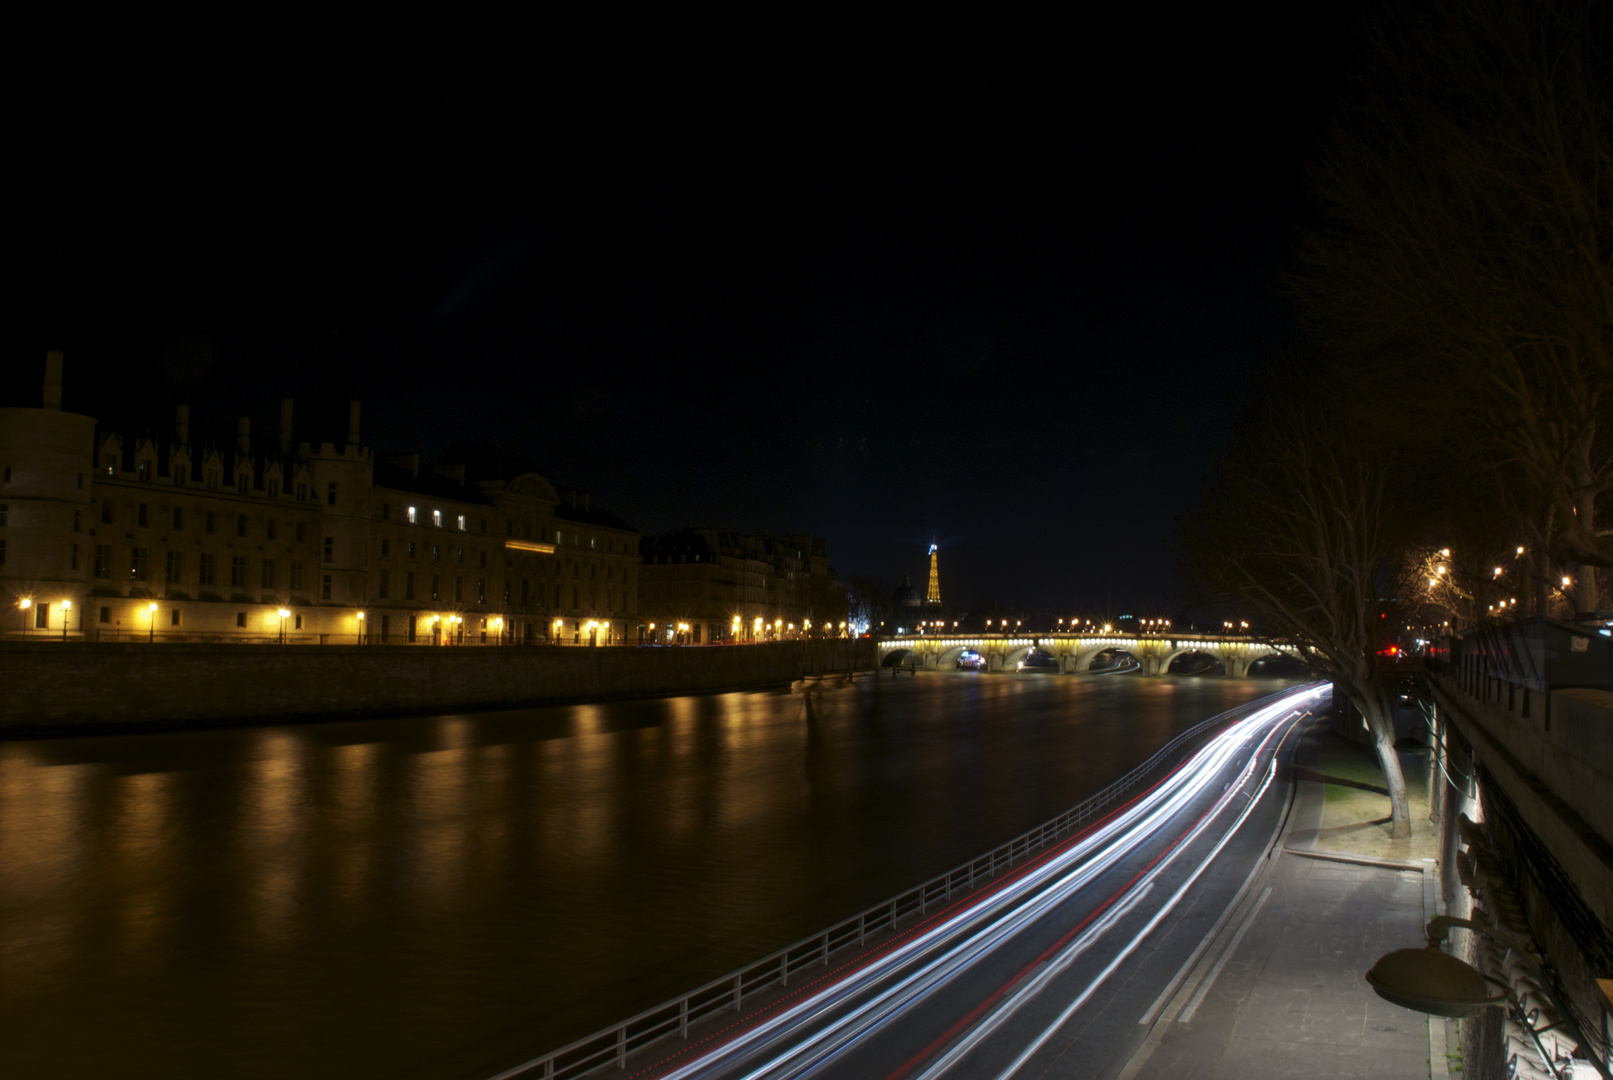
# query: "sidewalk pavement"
(1281, 992)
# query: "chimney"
(182, 425)
(243, 434)
(285, 427)
(53, 378)
(352, 423)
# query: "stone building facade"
(705, 586)
(117, 533)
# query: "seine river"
(445, 896)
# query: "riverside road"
(448, 896)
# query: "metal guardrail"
(612, 1045)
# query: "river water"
(446, 896)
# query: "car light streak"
(1136, 892)
(913, 970)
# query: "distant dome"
(905, 595)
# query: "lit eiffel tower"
(933, 597)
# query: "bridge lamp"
(1520, 551)
(1565, 583)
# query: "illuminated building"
(223, 531)
(933, 597)
(730, 586)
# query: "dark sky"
(1010, 311)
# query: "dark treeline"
(1436, 449)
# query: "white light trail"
(995, 918)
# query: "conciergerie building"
(112, 532)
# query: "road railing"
(611, 1046)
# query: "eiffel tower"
(932, 598)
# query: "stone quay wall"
(56, 688)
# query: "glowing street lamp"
(151, 634)
(67, 609)
(497, 626)
(22, 607)
(360, 634)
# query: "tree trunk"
(1585, 583)
(1378, 709)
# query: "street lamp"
(497, 626)
(67, 609)
(1431, 981)
(151, 633)
(360, 634)
(284, 615)
(22, 606)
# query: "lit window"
(436, 519)
(411, 516)
(461, 522)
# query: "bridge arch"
(1225, 663)
(898, 656)
(1283, 660)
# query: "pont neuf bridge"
(1075, 652)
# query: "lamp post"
(284, 615)
(22, 607)
(151, 631)
(360, 634)
(67, 609)
(1431, 981)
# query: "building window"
(302, 491)
(436, 519)
(106, 511)
(296, 575)
(526, 529)
(409, 549)
(272, 487)
(212, 479)
(436, 553)
(301, 531)
(324, 588)
(267, 574)
(238, 571)
(106, 614)
(179, 520)
(484, 525)
(181, 475)
(461, 522)
(386, 626)
(8, 474)
(72, 559)
(436, 584)
(139, 563)
(592, 543)
(330, 493)
(140, 515)
(41, 616)
(3, 552)
(459, 590)
(243, 483)
(298, 621)
(111, 463)
(481, 590)
(386, 547)
(172, 567)
(408, 585)
(103, 560)
(78, 521)
(208, 523)
(409, 515)
(204, 570)
(385, 586)
(173, 616)
(459, 554)
(330, 548)
(5, 513)
(240, 619)
(386, 511)
(271, 528)
(240, 524)
(482, 561)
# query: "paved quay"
(1281, 992)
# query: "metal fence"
(612, 1045)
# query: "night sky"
(1010, 312)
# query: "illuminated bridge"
(1075, 652)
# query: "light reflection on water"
(443, 896)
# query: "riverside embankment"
(57, 688)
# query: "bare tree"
(1298, 528)
(1467, 259)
